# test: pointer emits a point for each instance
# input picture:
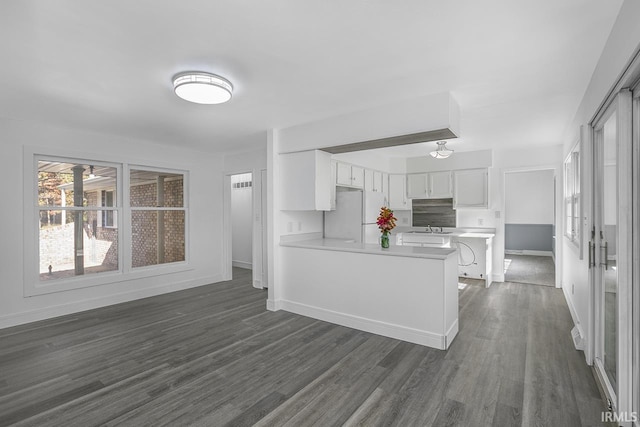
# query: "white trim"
(274, 305)
(576, 320)
(103, 301)
(242, 264)
(390, 330)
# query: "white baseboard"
(90, 304)
(403, 333)
(497, 277)
(527, 252)
(242, 264)
(574, 316)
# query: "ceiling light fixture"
(442, 152)
(202, 88)
(91, 174)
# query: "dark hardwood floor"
(213, 356)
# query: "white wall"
(529, 197)
(623, 41)
(205, 196)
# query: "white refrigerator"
(355, 216)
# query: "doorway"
(530, 212)
(241, 221)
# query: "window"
(157, 217)
(70, 241)
(107, 217)
(82, 218)
(572, 223)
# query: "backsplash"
(433, 212)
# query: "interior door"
(610, 247)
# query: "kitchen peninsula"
(403, 292)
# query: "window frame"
(129, 210)
(572, 197)
(32, 285)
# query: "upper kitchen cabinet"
(417, 186)
(306, 181)
(432, 185)
(349, 175)
(398, 192)
(373, 181)
(471, 189)
(440, 185)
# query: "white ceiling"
(517, 68)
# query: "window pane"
(60, 239)
(58, 183)
(157, 237)
(145, 191)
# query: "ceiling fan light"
(202, 88)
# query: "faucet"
(429, 230)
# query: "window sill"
(107, 278)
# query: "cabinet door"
(368, 180)
(334, 172)
(343, 174)
(417, 186)
(357, 176)
(385, 185)
(377, 182)
(397, 189)
(471, 189)
(440, 186)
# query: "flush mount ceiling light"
(442, 152)
(202, 88)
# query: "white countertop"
(374, 249)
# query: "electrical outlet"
(573, 288)
(480, 221)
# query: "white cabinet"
(398, 192)
(349, 175)
(385, 184)
(417, 185)
(432, 185)
(372, 180)
(334, 171)
(306, 181)
(471, 189)
(440, 185)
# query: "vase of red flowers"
(386, 222)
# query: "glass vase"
(384, 239)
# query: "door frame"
(256, 222)
(621, 397)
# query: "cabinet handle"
(606, 255)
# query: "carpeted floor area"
(536, 270)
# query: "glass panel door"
(611, 249)
(606, 215)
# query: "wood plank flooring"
(213, 356)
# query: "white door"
(610, 250)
